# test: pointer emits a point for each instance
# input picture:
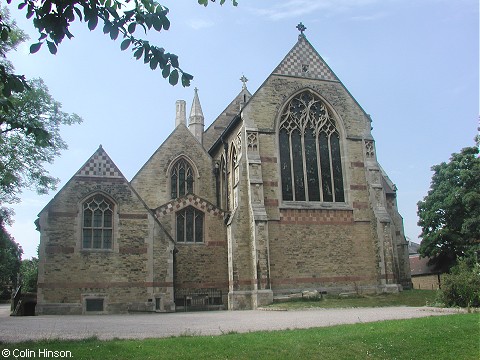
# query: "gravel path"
(140, 326)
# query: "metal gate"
(198, 299)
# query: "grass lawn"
(439, 337)
(403, 298)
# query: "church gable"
(100, 165)
(304, 61)
(153, 180)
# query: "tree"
(450, 213)
(10, 258)
(29, 275)
(29, 131)
(23, 154)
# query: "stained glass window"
(181, 179)
(97, 230)
(190, 225)
(310, 155)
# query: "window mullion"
(319, 167)
(304, 161)
(291, 165)
(331, 167)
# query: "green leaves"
(120, 19)
(51, 47)
(114, 33)
(11, 84)
(173, 78)
(132, 27)
(35, 47)
(92, 23)
(186, 78)
(205, 2)
(30, 139)
(4, 34)
(125, 44)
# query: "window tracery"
(181, 179)
(310, 156)
(97, 229)
(190, 225)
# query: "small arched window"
(97, 229)
(181, 179)
(310, 159)
(189, 225)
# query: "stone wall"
(204, 264)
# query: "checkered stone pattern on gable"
(315, 216)
(303, 61)
(189, 200)
(100, 165)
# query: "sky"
(412, 65)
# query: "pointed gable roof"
(218, 126)
(304, 61)
(100, 165)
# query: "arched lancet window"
(223, 183)
(310, 160)
(97, 229)
(181, 179)
(190, 225)
(234, 177)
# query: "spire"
(196, 120)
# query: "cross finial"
(244, 80)
(301, 28)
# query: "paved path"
(140, 326)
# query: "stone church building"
(282, 193)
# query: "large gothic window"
(97, 230)
(181, 179)
(190, 225)
(310, 157)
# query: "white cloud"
(295, 8)
(199, 24)
(370, 17)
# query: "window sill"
(90, 251)
(314, 205)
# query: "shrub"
(462, 286)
